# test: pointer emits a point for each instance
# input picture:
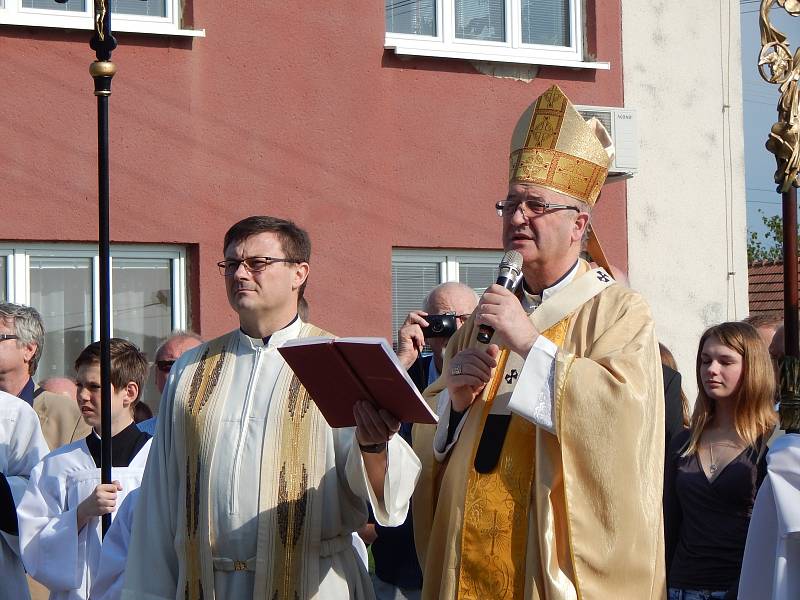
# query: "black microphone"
(509, 277)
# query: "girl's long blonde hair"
(754, 411)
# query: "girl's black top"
(706, 522)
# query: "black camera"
(439, 326)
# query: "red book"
(338, 372)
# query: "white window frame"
(445, 44)
(13, 13)
(17, 259)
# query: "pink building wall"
(279, 110)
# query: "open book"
(338, 372)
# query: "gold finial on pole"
(777, 65)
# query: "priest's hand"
(374, 428)
(467, 373)
(410, 339)
(102, 501)
(501, 310)
(373, 425)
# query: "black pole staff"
(777, 65)
(102, 71)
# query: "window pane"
(61, 290)
(546, 22)
(151, 8)
(142, 301)
(3, 279)
(481, 20)
(411, 282)
(417, 17)
(71, 5)
(478, 276)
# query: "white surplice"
(54, 552)
(114, 554)
(154, 561)
(771, 564)
(22, 446)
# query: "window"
(416, 272)
(143, 16)
(546, 32)
(148, 297)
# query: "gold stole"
(290, 498)
(199, 402)
(495, 530)
(289, 521)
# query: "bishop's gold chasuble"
(574, 514)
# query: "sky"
(760, 101)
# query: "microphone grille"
(511, 259)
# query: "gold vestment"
(594, 527)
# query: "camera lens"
(437, 327)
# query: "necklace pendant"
(712, 468)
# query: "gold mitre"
(553, 146)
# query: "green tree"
(771, 246)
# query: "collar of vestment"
(27, 391)
(291, 331)
(124, 446)
(530, 301)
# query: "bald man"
(167, 353)
(453, 298)
(170, 350)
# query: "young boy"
(59, 515)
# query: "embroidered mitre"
(554, 147)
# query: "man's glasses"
(508, 208)
(164, 365)
(253, 264)
(8, 336)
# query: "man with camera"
(446, 308)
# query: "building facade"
(381, 129)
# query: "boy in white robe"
(59, 515)
(22, 446)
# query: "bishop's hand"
(501, 310)
(467, 373)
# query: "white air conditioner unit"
(621, 125)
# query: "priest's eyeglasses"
(8, 336)
(253, 264)
(529, 208)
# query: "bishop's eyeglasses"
(253, 264)
(529, 208)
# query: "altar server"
(59, 515)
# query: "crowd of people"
(566, 461)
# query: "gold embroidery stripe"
(557, 170)
(495, 523)
(203, 384)
(293, 494)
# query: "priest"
(543, 479)
(248, 492)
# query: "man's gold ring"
(455, 370)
